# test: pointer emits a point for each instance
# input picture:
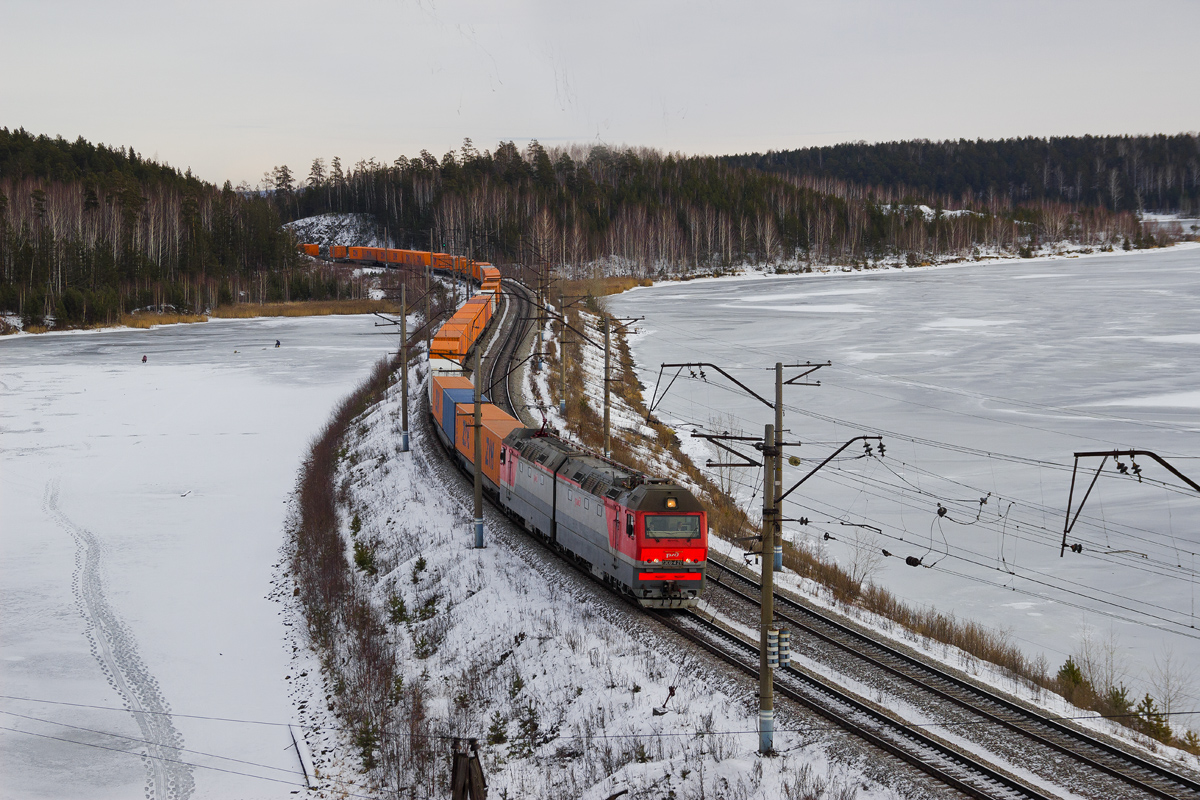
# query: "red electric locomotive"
(646, 537)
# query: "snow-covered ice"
(1003, 359)
(141, 515)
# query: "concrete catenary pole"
(404, 367)
(607, 382)
(778, 463)
(766, 699)
(478, 449)
(562, 352)
(541, 320)
(429, 320)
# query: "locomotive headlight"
(670, 502)
(687, 561)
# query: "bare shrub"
(1172, 679)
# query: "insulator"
(772, 648)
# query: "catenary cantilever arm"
(823, 463)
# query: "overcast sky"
(233, 88)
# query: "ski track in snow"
(114, 646)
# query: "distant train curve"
(645, 537)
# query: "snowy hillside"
(554, 675)
(342, 229)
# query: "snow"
(143, 510)
(927, 211)
(815, 308)
(1171, 400)
(517, 629)
(1179, 338)
(991, 363)
(357, 230)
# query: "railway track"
(1140, 774)
(498, 367)
(940, 760)
(947, 764)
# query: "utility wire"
(817, 724)
(174, 761)
(148, 742)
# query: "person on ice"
(277, 343)
(143, 359)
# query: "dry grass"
(730, 522)
(598, 287)
(150, 320)
(316, 308)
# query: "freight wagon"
(645, 537)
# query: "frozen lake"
(142, 515)
(982, 379)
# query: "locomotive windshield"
(672, 526)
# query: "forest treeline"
(647, 213)
(88, 232)
(1130, 173)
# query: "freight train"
(643, 536)
(392, 257)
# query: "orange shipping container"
(496, 425)
(473, 316)
(450, 344)
(494, 432)
(338, 251)
(438, 385)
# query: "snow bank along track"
(947, 764)
(942, 762)
(1087, 751)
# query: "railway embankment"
(641, 439)
(410, 639)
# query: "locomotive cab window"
(629, 525)
(672, 526)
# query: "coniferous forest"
(649, 213)
(88, 232)
(1131, 173)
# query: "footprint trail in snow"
(114, 646)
